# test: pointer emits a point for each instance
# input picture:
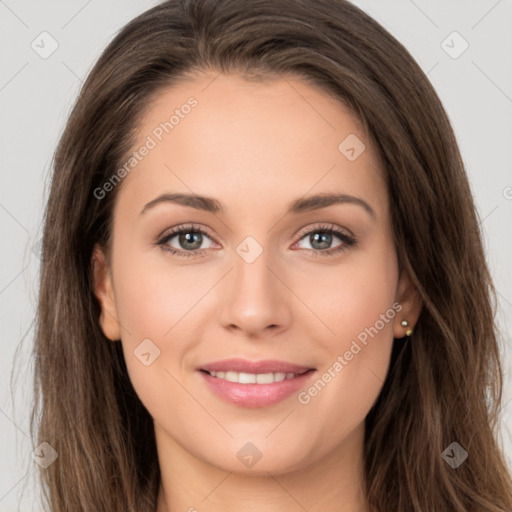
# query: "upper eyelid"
(327, 226)
(176, 230)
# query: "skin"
(254, 147)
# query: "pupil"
(322, 238)
(186, 238)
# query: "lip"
(255, 395)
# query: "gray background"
(36, 95)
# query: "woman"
(358, 372)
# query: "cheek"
(152, 295)
(149, 307)
(359, 307)
(356, 304)
(351, 297)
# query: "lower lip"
(255, 395)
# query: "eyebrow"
(300, 205)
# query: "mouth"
(254, 384)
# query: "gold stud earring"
(405, 323)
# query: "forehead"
(222, 135)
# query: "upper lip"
(245, 366)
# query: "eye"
(321, 238)
(189, 240)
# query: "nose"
(256, 301)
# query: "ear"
(410, 300)
(104, 292)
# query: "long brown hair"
(445, 381)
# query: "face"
(260, 271)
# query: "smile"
(254, 390)
(253, 378)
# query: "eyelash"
(348, 241)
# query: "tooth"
(265, 378)
(290, 375)
(278, 377)
(220, 375)
(231, 376)
(247, 378)
(212, 373)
